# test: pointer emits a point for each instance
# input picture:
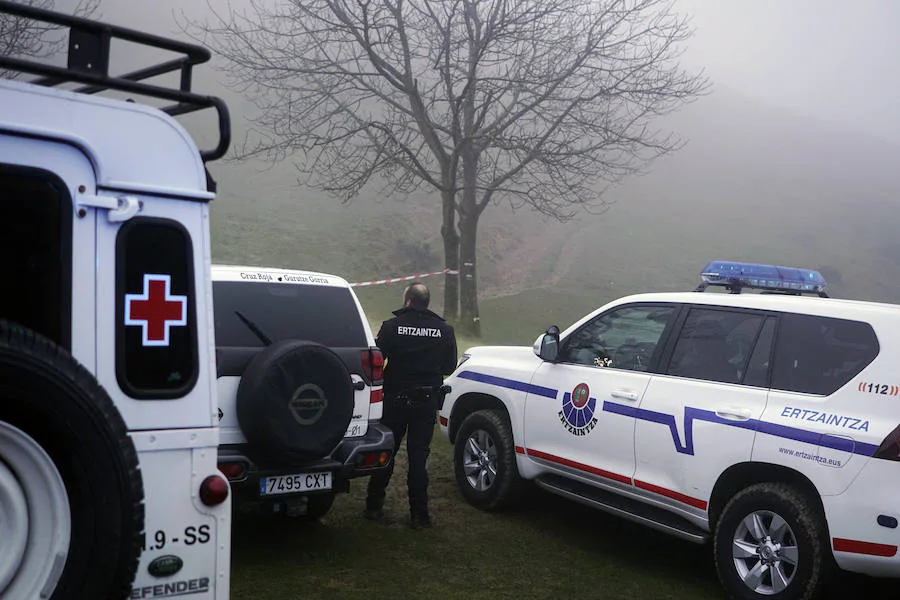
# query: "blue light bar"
(763, 277)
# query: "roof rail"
(88, 63)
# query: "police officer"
(420, 348)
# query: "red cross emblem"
(155, 310)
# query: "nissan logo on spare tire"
(294, 402)
(308, 404)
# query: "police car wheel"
(71, 494)
(484, 458)
(770, 543)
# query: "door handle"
(734, 414)
(629, 395)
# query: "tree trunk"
(451, 257)
(469, 321)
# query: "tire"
(294, 402)
(66, 451)
(493, 483)
(317, 507)
(805, 529)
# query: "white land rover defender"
(109, 486)
(767, 423)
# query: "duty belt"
(417, 395)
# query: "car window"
(156, 331)
(36, 233)
(818, 355)
(323, 314)
(715, 345)
(624, 338)
(760, 361)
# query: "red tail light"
(233, 471)
(376, 396)
(373, 365)
(890, 447)
(213, 491)
(371, 459)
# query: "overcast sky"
(836, 59)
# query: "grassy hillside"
(752, 184)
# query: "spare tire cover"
(295, 401)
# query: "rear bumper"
(345, 462)
(862, 521)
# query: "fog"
(832, 59)
(791, 158)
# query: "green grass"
(548, 547)
(520, 318)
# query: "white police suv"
(768, 423)
(109, 485)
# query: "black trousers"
(416, 423)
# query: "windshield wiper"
(254, 328)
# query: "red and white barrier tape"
(407, 278)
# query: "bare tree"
(536, 103)
(25, 37)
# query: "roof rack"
(88, 63)
(769, 279)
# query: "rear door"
(575, 423)
(700, 414)
(155, 360)
(282, 309)
(825, 417)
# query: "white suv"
(109, 485)
(769, 423)
(300, 396)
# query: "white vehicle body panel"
(506, 361)
(157, 155)
(557, 447)
(174, 463)
(712, 428)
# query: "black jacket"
(420, 348)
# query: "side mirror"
(549, 347)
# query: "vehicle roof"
(835, 307)
(132, 146)
(248, 274)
